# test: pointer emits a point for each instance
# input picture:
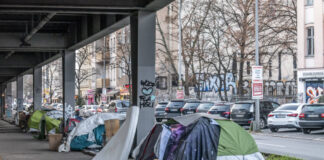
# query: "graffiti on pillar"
(68, 111)
(147, 98)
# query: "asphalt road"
(292, 143)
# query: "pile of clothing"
(197, 136)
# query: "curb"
(300, 138)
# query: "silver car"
(118, 106)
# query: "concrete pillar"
(9, 100)
(68, 61)
(37, 80)
(20, 92)
(143, 69)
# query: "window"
(270, 68)
(309, 2)
(248, 67)
(310, 41)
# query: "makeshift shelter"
(198, 136)
(88, 132)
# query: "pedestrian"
(321, 99)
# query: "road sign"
(180, 94)
(257, 90)
(104, 98)
(257, 72)
(257, 82)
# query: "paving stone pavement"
(15, 145)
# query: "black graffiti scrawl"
(146, 99)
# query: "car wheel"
(306, 131)
(274, 129)
(262, 123)
(298, 129)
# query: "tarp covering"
(35, 120)
(52, 124)
(81, 142)
(87, 126)
(118, 148)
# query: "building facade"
(310, 50)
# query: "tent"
(88, 132)
(198, 136)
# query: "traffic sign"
(257, 90)
(180, 94)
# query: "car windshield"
(205, 106)
(242, 106)
(314, 108)
(221, 107)
(176, 104)
(123, 104)
(191, 105)
(163, 105)
(288, 107)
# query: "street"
(289, 142)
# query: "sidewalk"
(22, 146)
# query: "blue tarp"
(81, 142)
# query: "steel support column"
(68, 61)
(20, 92)
(2, 104)
(37, 87)
(143, 69)
(9, 100)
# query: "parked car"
(204, 107)
(91, 110)
(160, 111)
(82, 110)
(190, 107)
(243, 112)
(118, 106)
(223, 110)
(173, 108)
(285, 116)
(311, 117)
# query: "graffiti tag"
(147, 99)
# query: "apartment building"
(310, 50)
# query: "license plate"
(280, 116)
(313, 116)
(190, 112)
(239, 115)
(174, 110)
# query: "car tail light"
(93, 111)
(270, 115)
(322, 115)
(292, 115)
(116, 110)
(208, 112)
(302, 115)
(249, 122)
(182, 109)
(226, 113)
(197, 110)
(167, 109)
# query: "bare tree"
(82, 73)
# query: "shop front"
(310, 85)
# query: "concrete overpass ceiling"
(35, 32)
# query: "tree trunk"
(240, 81)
